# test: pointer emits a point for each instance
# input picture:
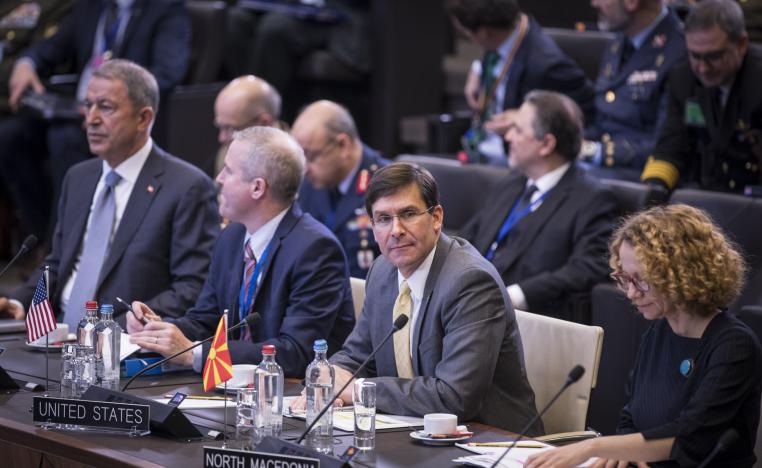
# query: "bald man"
(247, 101)
(339, 167)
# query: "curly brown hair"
(686, 257)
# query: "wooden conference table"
(22, 444)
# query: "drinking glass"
(246, 433)
(364, 401)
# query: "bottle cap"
(91, 305)
(320, 345)
(107, 308)
(268, 349)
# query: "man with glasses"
(548, 224)
(460, 352)
(272, 259)
(712, 133)
(245, 102)
(339, 168)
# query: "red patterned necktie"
(250, 264)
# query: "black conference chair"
(463, 189)
(634, 196)
(584, 47)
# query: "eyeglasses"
(624, 281)
(406, 216)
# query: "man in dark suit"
(136, 223)
(272, 259)
(630, 93)
(339, 168)
(461, 350)
(518, 57)
(712, 135)
(547, 225)
(154, 34)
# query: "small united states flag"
(39, 319)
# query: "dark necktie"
(249, 265)
(110, 25)
(488, 69)
(94, 251)
(526, 198)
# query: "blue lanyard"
(243, 312)
(513, 217)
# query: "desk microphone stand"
(47, 335)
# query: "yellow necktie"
(403, 305)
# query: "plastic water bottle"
(86, 326)
(108, 336)
(268, 381)
(320, 378)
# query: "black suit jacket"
(540, 64)
(161, 250)
(157, 37)
(304, 294)
(558, 250)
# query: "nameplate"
(228, 458)
(100, 414)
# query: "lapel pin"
(150, 189)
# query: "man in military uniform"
(339, 168)
(630, 92)
(711, 135)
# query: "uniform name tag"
(693, 114)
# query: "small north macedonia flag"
(218, 367)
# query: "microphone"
(26, 246)
(251, 320)
(396, 326)
(726, 439)
(573, 376)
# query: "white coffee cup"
(440, 423)
(243, 375)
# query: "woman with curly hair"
(699, 369)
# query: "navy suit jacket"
(303, 295)
(540, 64)
(161, 250)
(157, 37)
(557, 252)
(350, 223)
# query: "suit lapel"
(444, 244)
(82, 199)
(144, 192)
(235, 283)
(506, 196)
(135, 17)
(531, 224)
(293, 215)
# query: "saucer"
(428, 440)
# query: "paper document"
(515, 459)
(343, 418)
(126, 348)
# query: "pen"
(506, 444)
(200, 397)
(142, 320)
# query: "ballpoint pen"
(506, 444)
(143, 320)
(200, 397)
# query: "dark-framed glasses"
(406, 216)
(623, 282)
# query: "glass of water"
(246, 433)
(364, 401)
(68, 355)
(84, 369)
